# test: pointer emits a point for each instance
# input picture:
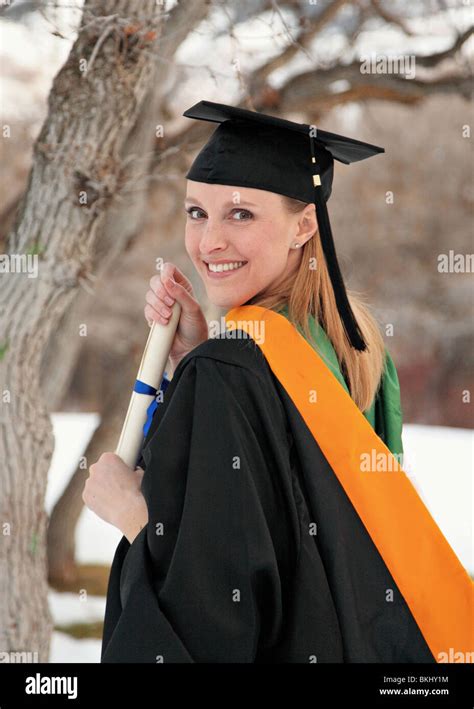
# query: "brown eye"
(246, 215)
(192, 212)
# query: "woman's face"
(245, 227)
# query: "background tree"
(78, 173)
(135, 213)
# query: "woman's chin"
(225, 305)
(226, 301)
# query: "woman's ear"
(307, 223)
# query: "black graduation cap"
(252, 149)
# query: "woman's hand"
(113, 492)
(167, 287)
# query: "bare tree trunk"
(120, 227)
(76, 174)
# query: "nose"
(212, 237)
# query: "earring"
(296, 245)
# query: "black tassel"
(351, 327)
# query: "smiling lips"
(221, 269)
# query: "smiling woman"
(242, 251)
(265, 540)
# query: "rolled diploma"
(150, 372)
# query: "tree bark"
(120, 229)
(76, 176)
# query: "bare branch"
(389, 17)
(314, 91)
(294, 41)
(105, 33)
(304, 39)
(182, 20)
(432, 59)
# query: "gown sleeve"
(388, 409)
(206, 579)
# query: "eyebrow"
(226, 204)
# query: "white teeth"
(218, 267)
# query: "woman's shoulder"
(233, 348)
(233, 369)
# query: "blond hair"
(310, 292)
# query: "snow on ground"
(64, 648)
(440, 465)
(95, 540)
(70, 608)
(67, 608)
(438, 461)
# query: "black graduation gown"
(253, 552)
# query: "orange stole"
(432, 580)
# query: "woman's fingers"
(152, 315)
(180, 293)
(168, 271)
(162, 315)
(160, 291)
(157, 303)
(171, 285)
(168, 287)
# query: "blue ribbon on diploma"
(142, 388)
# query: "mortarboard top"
(252, 149)
(344, 149)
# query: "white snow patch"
(64, 648)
